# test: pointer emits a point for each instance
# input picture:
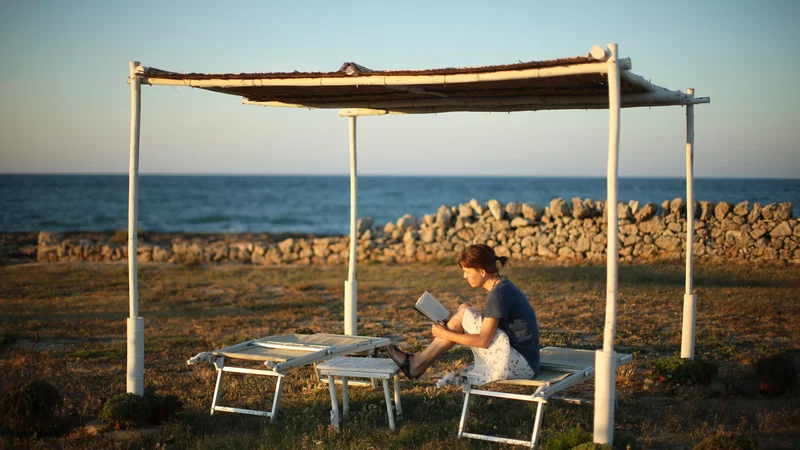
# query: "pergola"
(599, 80)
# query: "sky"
(65, 104)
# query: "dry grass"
(78, 311)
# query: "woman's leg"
(420, 362)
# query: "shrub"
(568, 439)
(29, 408)
(592, 446)
(722, 442)
(126, 411)
(776, 374)
(678, 370)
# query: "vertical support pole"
(135, 369)
(689, 299)
(351, 286)
(605, 388)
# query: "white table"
(354, 367)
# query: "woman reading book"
(506, 336)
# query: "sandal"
(402, 360)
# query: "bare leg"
(420, 362)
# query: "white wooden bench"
(354, 367)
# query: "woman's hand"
(438, 329)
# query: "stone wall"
(570, 231)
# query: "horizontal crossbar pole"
(574, 400)
(485, 437)
(252, 412)
(250, 371)
(524, 398)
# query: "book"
(428, 306)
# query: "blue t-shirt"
(517, 318)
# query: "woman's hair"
(481, 256)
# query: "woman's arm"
(482, 340)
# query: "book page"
(431, 308)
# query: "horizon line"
(209, 174)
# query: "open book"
(428, 306)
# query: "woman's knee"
(464, 306)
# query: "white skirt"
(499, 361)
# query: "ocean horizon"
(317, 204)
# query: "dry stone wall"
(573, 230)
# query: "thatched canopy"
(568, 83)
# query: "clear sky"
(65, 104)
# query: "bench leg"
(345, 398)
(276, 401)
(388, 403)
(462, 424)
(334, 403)
(537, 425)
(217, 391)
(398, 407)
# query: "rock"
(532, 210)
(407, 222)
(465, 211)
(558, 208)
(624, 211)
(664, 210)
(496, 208)
(755, 213)
(389, 228)
(647, 211)
(741, 209)
(675, 227)
(428, 236)
(428, 220)
(161, 254)
(519, 222)
(444, 217)
(634, 206)
(768, 211)
(706, 210)
(722, 210)
(410, 237)
(47, 238)
(783, 229)
(583, 244)
(783, 211)
(652, 226)
(677, 207)
(477, 206)
(466, 234)
(542, 250)
(566, 252)
(669, 243)
(758, 232)
(513, 209)
(364, 224)
(286, 246)
(579, 209)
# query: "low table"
(373, 368)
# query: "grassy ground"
(65, 324)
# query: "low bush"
(566, 440)
(592, 446)
(126, 411)
(776, 374)
(29, 408)
(675, 369)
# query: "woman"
(508, 313)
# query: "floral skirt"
(499, 361)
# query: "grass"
(78, 312)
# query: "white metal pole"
(605, 360)
(689, 298)
(135, 375)
(351, 286)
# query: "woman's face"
(475, 277)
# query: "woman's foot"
(403, 360)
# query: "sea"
(314, 204)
